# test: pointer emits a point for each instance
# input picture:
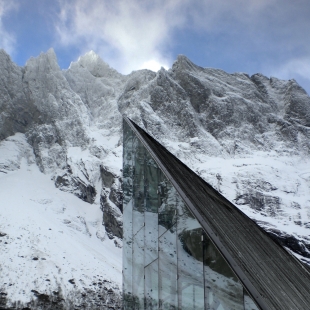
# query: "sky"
(266, 36)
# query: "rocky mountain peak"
(44, 62)
(4, 56)
(184, 63)
(95, 65)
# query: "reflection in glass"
(151, 237)
(152, 177)
(127, 214)
(127, 164)
(138, 270)
(249, 304)
(151, 286)
(223, 290)
(138, 185)
(168, 270)
(168, 201)
(190, 262)
(127, 258)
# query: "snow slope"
(50, 239)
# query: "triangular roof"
(274, 278)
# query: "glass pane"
(223, 290)
(127, 216)
(138, 185)
(168, 270)
(190, 262)
(138, 270)
(127, 164)
(127, 257)
(152, 177)
(151, 237)
(249, 303)
(151, 286)
(169, 199)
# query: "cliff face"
(248, 136)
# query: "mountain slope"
(60, 140)
(51, 241)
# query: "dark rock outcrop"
(67, 182)
(296, 245)
(106, 176)
(112, 219)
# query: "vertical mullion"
(203, 270)
(144, 213)
(179, 304)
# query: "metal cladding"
(187, 247)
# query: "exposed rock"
(116, 194)
(47, 146)
(271, 205)
(296, 245)
(16, 111)
(96, 299)
(106, 176)
(112, 217)
(67, 182)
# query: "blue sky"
(266, 36)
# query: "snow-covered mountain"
(61, 160)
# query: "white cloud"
(296, 68)
(7, 39)
(154, 65)
(136, 33)
(127, 34)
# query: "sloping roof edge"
(253, 255)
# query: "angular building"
(187, 247)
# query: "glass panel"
(249, 303)
(223, 291)
(168, 270)
(168, 202)
(138, 270)
(127, 164)
(151, 286)
(151, 237)
(190, 262)
(127, 257)
(127, 216)
(152, 177)
(138, 185)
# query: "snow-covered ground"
(50, 239)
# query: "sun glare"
(154, 65)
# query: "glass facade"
(169, 262)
